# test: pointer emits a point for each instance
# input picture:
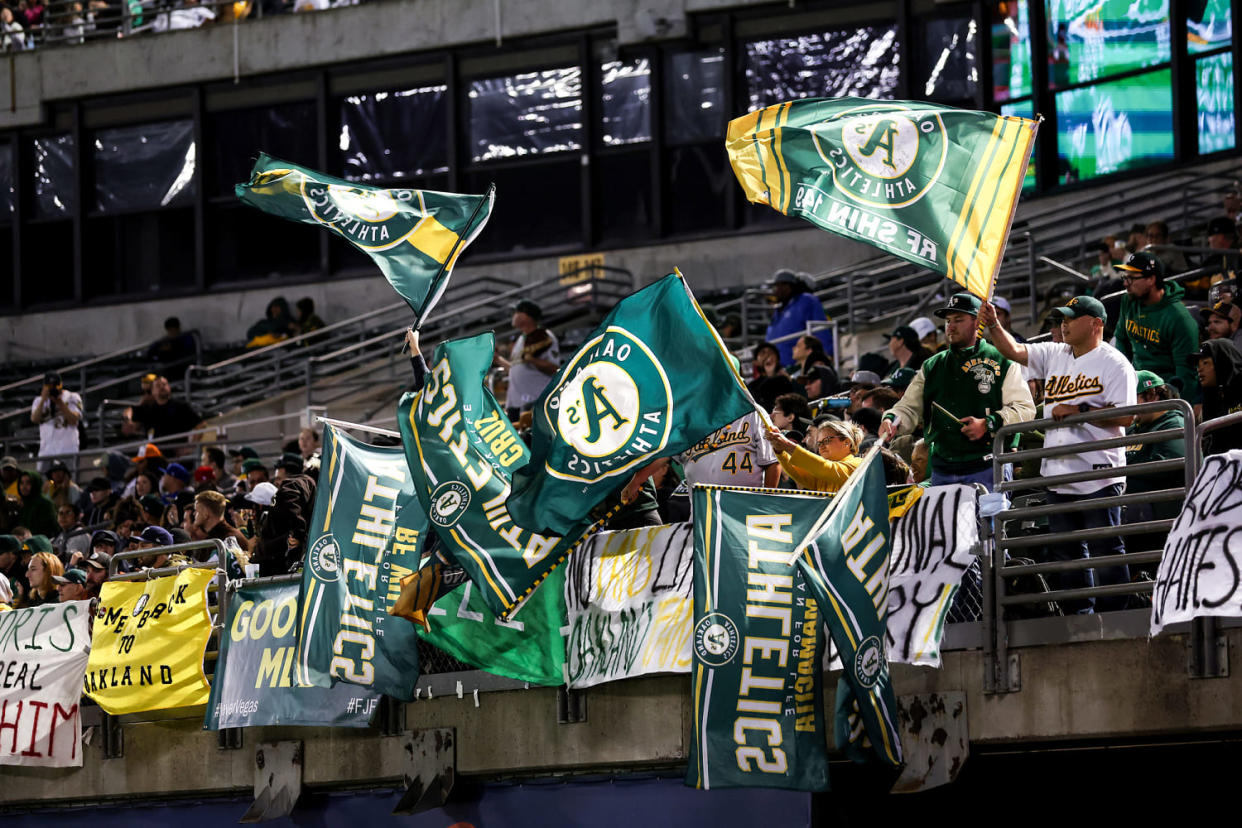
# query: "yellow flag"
(147, 652)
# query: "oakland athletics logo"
(715, 639)
(372, 219)
(869, 662)
(449, 502)
(323, 558)
(883, 155)
(612, 407)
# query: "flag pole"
(435, 280)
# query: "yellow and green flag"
(933, 185)
(415, 236)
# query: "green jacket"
(1150, 452)
(1160, 337)
(968, 382)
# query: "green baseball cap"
(960, 303)
(1082, 306)
(1148, 380)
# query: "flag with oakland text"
(846, 569)
(757, 645)
(365, 536)
(649, 382)
(462, 451)
(414, 236)
(930, 184)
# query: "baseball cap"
(9, 543)
(99, 484)
(152, 503)
(966, 303)
(105, 536)
(1221, 225)
(1225, 310)
(58, 465)
(157, 535)
(245, 451)
(149, 450)
(901, 378)
(204, 473)
(864, 378)
(923, 326)
(51, 378)
(529, 308)
(98, 560)
(784, 276)
(178, 471)
(1148, 380)
(290, 462)
(37, 543)
(1001, 303)
(908, 335)
(264, 494)
(1082, 306)
(71, 576)
(8, 463)
(1144, 263)
(253, 464)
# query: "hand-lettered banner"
(631, 610)
(364, 538)
(1199, 571)
(149, 639)
(758, 645)
(254, 685)
(43, 652)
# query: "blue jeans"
(1075, 550)
(940, 478)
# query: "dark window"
(283, 131)
(625, 95)
(947, 68)
(694, 104)
(543, 208)
(699, 182)
(527, 114)
(1011, 49)
(245, 244)
(1087, 41)
(1114, 126)
(345, 258)
(623, 196)
(860, 61)
(47, 262)
(389, 135)
(145, 167)
(8, 195)
(137, 253)
(55, 177)
(1214, 93)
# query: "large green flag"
(415, 236)
(846, 569)
(529, 648)
(930, 184)
(649, 382)
(462, 451)
(364, 537)
(758, 645)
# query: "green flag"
(757, 646)
(462, 451)
(846, 569)
(364, 537)
(649, 382)
(530, 648)
(930, 184)
(415, 236)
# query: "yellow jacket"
(812, 472)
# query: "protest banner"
(253, 684)
(43, 652)
(1199, 573)
(630, 606)
(149, 639)
(364, 537)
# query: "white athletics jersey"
(731, 456)
(1098, 378)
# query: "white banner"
(630, 606)
(1201, 570)
(43, 652)
(933, 545)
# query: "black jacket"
(1225, 398)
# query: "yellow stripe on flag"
(969, 203)
(744, 158)
(995, 233)
(966, 267)
(433, 239)
(764, 136)
(782, 203)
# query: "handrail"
(77, 366)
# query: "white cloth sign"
(630, 605)
(1200, 572)
(43, 652)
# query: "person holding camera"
(56, 411)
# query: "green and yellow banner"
(933, 185)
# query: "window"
(144, 167)
(543, 208)
(55, 176)
(947, 68)
(859, 61)
(1114, 126)
(528, 114)
(235, 138)
(1011, 50)
(1214, 93)
(393, 135)
(1089, 41)
(8, 194)
(694, 102)
(625, 102)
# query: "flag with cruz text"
(930, 184)
(414, 236)
(649, 382)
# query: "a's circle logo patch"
(716, 639)
(139, 604)
(449, 502)
(324, 558)
(869, 662)
(613, 407)
(883, 154)
(371, 220)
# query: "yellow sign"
(574, 269)
(147, 652)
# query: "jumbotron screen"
(1093, 39)
(1114, 126)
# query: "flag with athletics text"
(414, 236)
(930, 184)
(462, 451)
(649, 382)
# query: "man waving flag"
(649, 382)
(930, 184)
(415, 236)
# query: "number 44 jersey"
(735, 455)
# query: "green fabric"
(953, 378)
(649, 382)
(1160, 337)
(1149, 452)
(414, 236)
(38, 512)
(461, 450)
(365, 536)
